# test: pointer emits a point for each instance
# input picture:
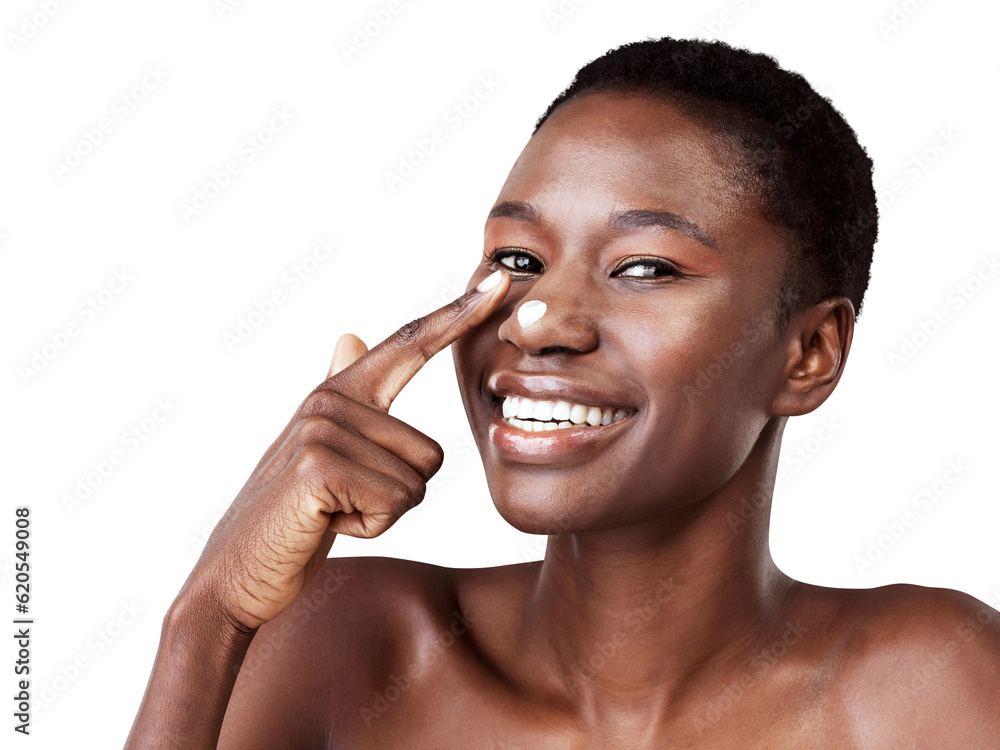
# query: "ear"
(816, 346)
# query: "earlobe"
(816, 346)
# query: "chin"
(536, 516)
(545, 515)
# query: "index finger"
(377, 377)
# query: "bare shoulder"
(918, 663)
(314, 668)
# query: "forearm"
(191, 682)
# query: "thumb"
(349, 348)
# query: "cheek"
(716, 348)
(472, 354)
(463, 353)
(707, 400)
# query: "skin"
(657, 618)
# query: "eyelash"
(506, 252)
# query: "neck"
(638, 616)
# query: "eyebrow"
(620, 221)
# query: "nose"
(569, 321)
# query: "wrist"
(200, 622)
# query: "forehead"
(632, 149)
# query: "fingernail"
(490, 282)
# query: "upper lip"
(540, 386)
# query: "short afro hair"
(797, 154)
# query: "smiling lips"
(538, 415)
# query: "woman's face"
(667, 313)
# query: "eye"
(520, 259)
(640, 268)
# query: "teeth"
(541, 415)
(525, 409)
(562, 410)
(543, 410)
(510, 405)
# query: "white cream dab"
(529, 312)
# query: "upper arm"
(310, 671)
(953, 681)
(929, 672)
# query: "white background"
(899, 76)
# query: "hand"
(341, 466)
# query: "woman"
(671, 270)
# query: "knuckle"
(459, 305)
(315, 429)
(416, 495)
(413, 336)
(431, 459)
(324, 402)
(378, 523)
(399, 496)
(417, 487)
(311, 460)
(410, 332)
(314, 403)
